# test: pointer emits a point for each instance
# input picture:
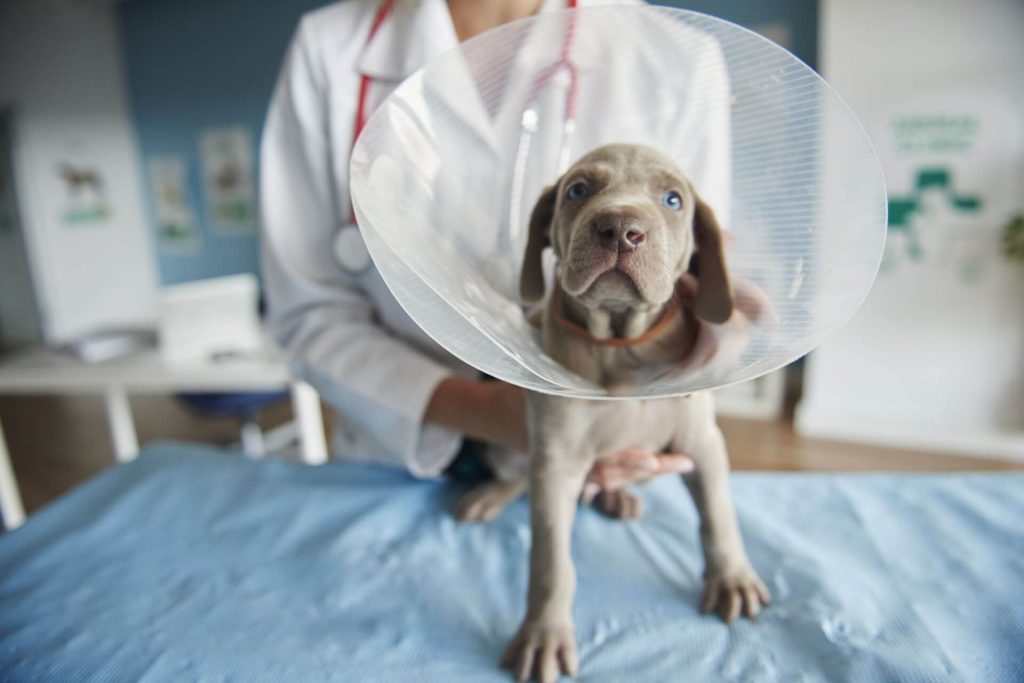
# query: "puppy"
(640, 277)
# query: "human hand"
(632, 466)
(496, 412)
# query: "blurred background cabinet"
(71, 183)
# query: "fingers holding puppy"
(634, 466)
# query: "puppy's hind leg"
(487, 501)
(619, 504)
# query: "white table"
(45, 371)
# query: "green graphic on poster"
(940, 213)
(902, 209)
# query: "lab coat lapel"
(536, 50)
(415, 32)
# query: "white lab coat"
(345, 333)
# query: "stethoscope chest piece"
(350, 250)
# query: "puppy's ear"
(713, 300)
(531, 277)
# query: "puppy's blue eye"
(577, 191)
(672, 200)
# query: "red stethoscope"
(350, 250)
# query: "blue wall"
(799, 16)
(196, 64)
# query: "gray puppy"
(625, 225)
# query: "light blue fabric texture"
(191, 564)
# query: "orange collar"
(668, 315)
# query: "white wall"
(935, 359)
(61, 72)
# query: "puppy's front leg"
(731, 585)
(546, 642)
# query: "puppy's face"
(624, 223)
(621, 228)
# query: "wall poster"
(229, 179)
(177, 229)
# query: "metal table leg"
(306, 404)
(10, 497)
(122, 426)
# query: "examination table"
(191, 564)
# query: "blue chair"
(246, 407)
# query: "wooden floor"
(58, 442)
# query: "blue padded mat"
(190, 564)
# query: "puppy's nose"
(620, 231)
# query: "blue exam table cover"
(192, 564)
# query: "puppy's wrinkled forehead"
(626, 166)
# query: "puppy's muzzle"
(619, 231)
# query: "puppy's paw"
(542, 651)
(733, 592)
(486, 502)
(619, 504)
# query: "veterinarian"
(403, 400)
